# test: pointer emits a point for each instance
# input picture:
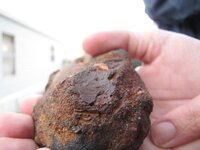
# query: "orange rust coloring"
(98, 104)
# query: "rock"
(95, 104)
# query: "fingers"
(180, 126)
(16, 125)
(17, 144)
(13, 128)
(144, 46)
(27, 104)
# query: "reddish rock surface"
(96, 104)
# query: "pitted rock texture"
(94, 104)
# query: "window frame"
(11, 56)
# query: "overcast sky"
(70, 21)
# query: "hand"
(9, 138)
(171, 72)
(166, 79)
(17, 130)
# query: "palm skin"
(172, 73)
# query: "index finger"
(16, 125)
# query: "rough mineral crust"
(96, 104)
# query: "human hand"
(171, 73)
(159, 72)
(17, 129)
(9, 139)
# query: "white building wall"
(33, 64)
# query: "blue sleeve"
(176, 15)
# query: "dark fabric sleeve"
(176, 15)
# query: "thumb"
(144, 46)
(180, 126)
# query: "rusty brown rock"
(97, 104)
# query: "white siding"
(33, 63)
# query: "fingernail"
(163, 133)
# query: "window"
(52, 54)
(8, 55)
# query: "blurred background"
(38, 37)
